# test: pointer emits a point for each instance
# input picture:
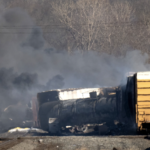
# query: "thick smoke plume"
(27, 67)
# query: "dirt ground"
(81, 143)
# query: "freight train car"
(137, 100)
(59, 108)
(130, 101)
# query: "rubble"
(40, 140)
(29, 130)
(18, 129)
(112, 128)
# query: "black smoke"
(25, 81)
(57, 82)
(35, 40)
(9, 80)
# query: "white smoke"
(23, 49)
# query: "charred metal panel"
(48, 96)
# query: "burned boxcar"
(59, 108)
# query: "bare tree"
(82, 20)
(95, 25)
(99, 25)
(120, 27)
